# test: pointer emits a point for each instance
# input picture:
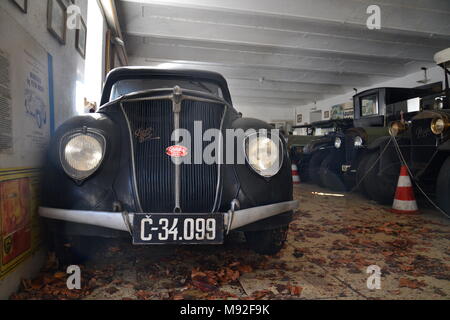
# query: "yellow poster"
(19, 222)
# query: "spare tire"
(314, 166)
(381, 182)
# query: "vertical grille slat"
(199, 181)
(155, 171)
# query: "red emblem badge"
(177, 151)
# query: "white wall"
(68, 65)
(434, 74)
(266, 113)
(68, 68)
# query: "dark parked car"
(354, 152)
(424, 142)
(318, 147)
(127, 169)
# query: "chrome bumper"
(122, 221)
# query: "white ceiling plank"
(274, 74)
(424, 16)
(172, 50)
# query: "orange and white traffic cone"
(404, 201)
(295, 175)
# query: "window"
(369, 105)
(124, 87)
(89, 91)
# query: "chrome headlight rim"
(79, 175)
(396, 128)
(280, 145)
(337, 143)
(439, 125)
(358, 142)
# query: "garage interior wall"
(434, 74)
(68, 71)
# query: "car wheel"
(69, 250)
(330, 172)
(303, 171)
(361, 172)
(381, 181)
(314, 166)
(268, 242)
(443, 187)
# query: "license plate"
(178, 229)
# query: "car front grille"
(154, 169)
(423, 140)
(349, 149)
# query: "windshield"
(124, 87)
(369, 105)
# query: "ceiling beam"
(414, 16)
(171, 49)
(264, 84)
(277, 94)
(271, 74)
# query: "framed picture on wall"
(21, 4)
(326, 114)
(56, 20)
(80, 40)
(300, 118)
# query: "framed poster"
(22, 5)
(81, 37)
(56, 20)
(26, 105)
(326, 114)
(300, 118)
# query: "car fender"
(241, 182)
(109, 184)
(445, 146)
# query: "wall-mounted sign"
(25, 124)
(341, 111)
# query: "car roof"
(144, 72)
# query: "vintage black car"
(355, 151)
(424, 145)
(314, 152)
(126, 169)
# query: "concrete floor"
(332, 241)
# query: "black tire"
(69, 250)
(303, 171)
(443, 187)
(381, 181)
(331, 172)
(361, 172)
(267, 242)
(314, 166)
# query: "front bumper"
(124, 221)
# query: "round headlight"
(82, 154)
(396, 127)
(264, 155)
(338, 143)
(439, 125)
(358, 142)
